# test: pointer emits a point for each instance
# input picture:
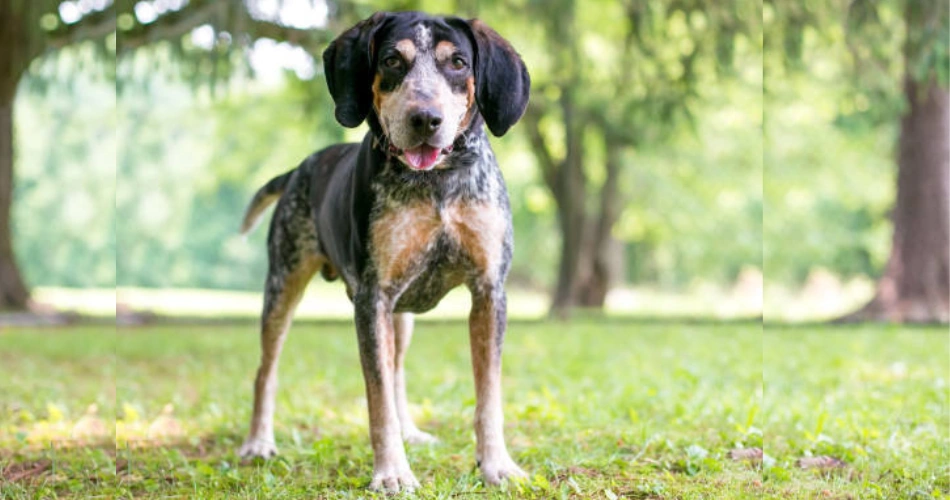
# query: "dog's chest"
(420, 250)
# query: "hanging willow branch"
(230, 16)
(95, 26)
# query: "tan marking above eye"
(444, 50)
(407, 48)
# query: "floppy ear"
(348, 64)
(502, 83)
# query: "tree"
(29, 30)
(237, 20)
(656, 59)
(915, 286)
(33, 29)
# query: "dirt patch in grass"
(25, 471)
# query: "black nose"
(425, 121)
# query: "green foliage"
(686, 195)
(37, 32)
(926, 29)
(831, 107)
(65, 213)
(648, 78)
(711, 149)
(830, 189)
(871, 44)
(185, 191)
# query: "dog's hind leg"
(280, 300)
(294, 259)
(403, 325)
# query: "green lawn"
(594, 409)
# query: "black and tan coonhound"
(415, 210)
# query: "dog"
(415, 210)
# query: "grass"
(594, 409)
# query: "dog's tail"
(263, 198)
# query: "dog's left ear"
(502, 83)
(348, 64)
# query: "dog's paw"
(501, 469)
(262, 448)
(394, 480)
(417, 437)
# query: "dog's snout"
(425, 121)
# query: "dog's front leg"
(487, 323)
(374, 328)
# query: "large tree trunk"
(589, 254)
(13, 291)
(916, 282)
(603, 252)
(570, 195)
(575, 241)
(590, 257)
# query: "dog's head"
(423, 81)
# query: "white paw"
(417, 437)
(394, 480)
(500, 469)
(258, 447)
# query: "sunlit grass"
(594, 409)
(877, 398)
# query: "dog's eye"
(458, 62)
(393, 62)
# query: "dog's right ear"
(348, 64)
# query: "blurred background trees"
(915, 285)
(895, 60)
(620, 76)
(653, 152)
(31, 30)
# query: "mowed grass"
(594, 409)
(875, 397)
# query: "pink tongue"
(422, 157)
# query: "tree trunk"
(590, 256)
(13, 292)
(570, 195)
(575, 237)
(589, 253)
(916, 282)
(604, 251)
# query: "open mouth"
(421, 157)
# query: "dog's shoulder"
(343, 198)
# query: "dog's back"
(323, 163)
